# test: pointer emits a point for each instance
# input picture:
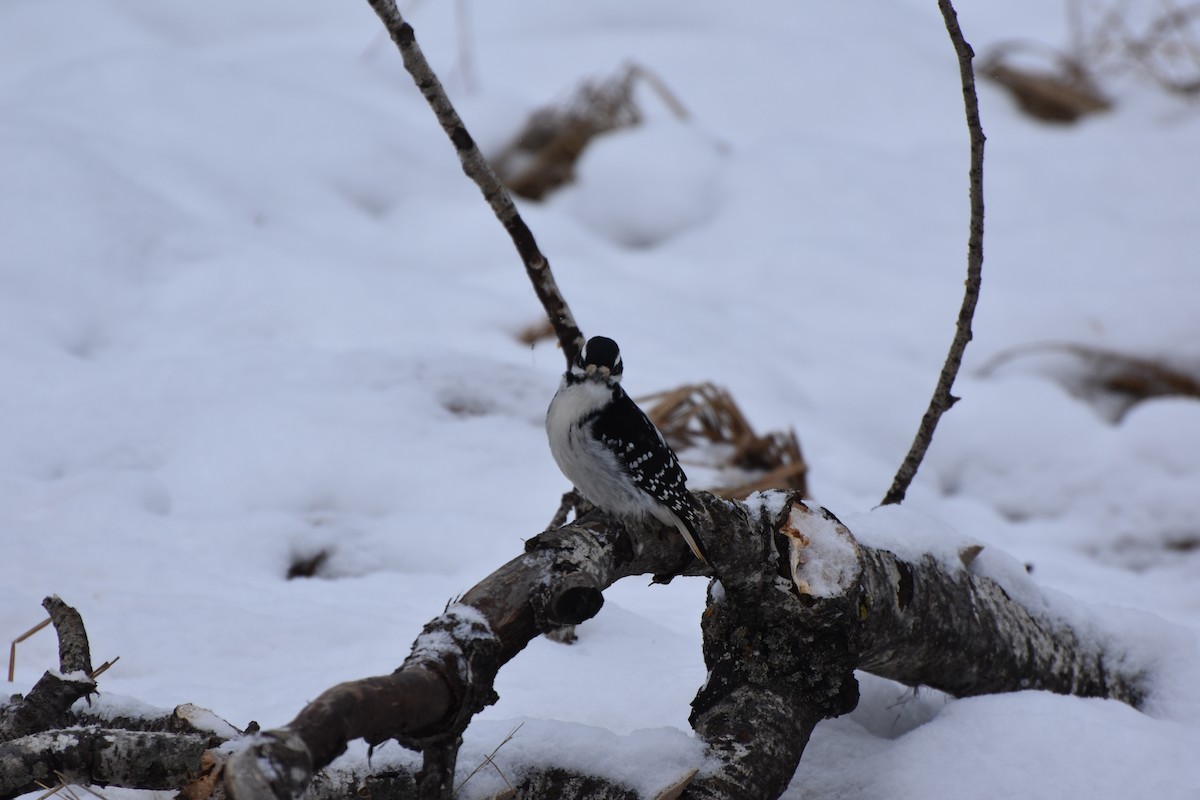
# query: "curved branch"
(448, 677)
(74, 653)
(802, 605)
(942, 400)
(478, 170)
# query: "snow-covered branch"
(802, 606)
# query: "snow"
(252, 311)
(669, 174)
(460, 628)
(824, 560)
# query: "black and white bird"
(610, 449)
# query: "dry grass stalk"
(1108, 37)
(1170, 50)
(542, 156)
(87, 789)
(701, 413)
(1105, 34)
(12, 649)
(50, 792)
(489, 759)
(535, 332)
(1119, 380)
(1062, 93)
(100, 670)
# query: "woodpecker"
(611, 451)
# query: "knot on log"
(461, 648)
(572, 589)
(573, 598)
(274, 764)
(769, 639)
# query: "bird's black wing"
(645, 455)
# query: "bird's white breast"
(586, 462)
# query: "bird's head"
(599, 360)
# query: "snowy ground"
(251, 309)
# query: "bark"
(185, 718)
(74, 653)
(780, 653)
(44, 707)
(49, 700)
(801, 606)
(399, 784)
(778, 663)
(963, 634)
(781, 636)
(530, 780)
(448, 678)
(101, 756)
(44, 741)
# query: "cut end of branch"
(822, 556)
(578, 600)
(276, 766)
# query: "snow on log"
(803, 604)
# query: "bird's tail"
(693, 541)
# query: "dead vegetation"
(1108, 39)
(542, 156)
(535, 332)
(1062, 92)
(700, 414)
(1113, 382)
(704, 415)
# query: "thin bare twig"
(477, 169)
(942, 400)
